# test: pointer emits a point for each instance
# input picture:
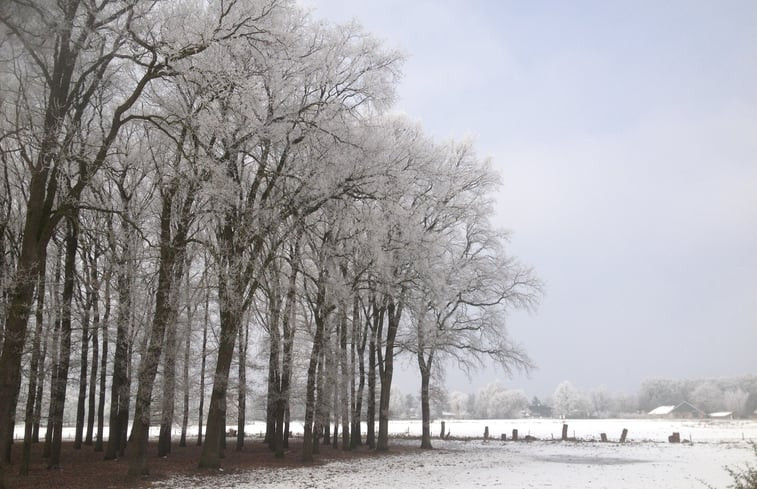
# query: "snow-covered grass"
(647, 460)
(475, 463)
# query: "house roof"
(684, 407)
(721, 414)
(662, 410)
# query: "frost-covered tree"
(568, 401)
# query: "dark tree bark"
(231, 319)
(288, 329)
(360, 335)
(61, 378)
(119, 390)
(386, 371)
(95, 300)
(190, 308)
(170, 273)
(425, 369)
(378, 320)
(344, 379)
(242, 391)
(103, 366)
(40, 386)
(55, 296)
(320, 314)
(203, 357)
(169, 391)
(84, 354)
(33, 374)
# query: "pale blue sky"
(626, 136)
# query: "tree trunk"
(119, 390)
(288, 328)
(425, 368)
(95, 300)
(371, 413)
(33, 373)
(242, 391)
(56, 299)
(170, 273)
(386, 370)
(185, 371)
(320, 318)
(344, 368)
(203, 359)
(82, 398)
(61, 379)
(103, 368)
(169, 391)
(231, 319)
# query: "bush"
(745, 477)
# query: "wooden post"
(623, 435)
(603, 436)
(515, 434)
(503, 437)
(486, 432)
(441, 435)
(564, 431)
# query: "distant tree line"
(182, 180)
(737, 395)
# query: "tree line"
(182, 179)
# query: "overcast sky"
(626, 137)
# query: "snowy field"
(462, 464)
(644, 462)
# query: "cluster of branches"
(230, 170)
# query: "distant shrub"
(744, 477)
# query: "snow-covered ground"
(646, 461)
(474, 463)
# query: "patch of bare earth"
(86, 468)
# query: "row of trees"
(737, 395)
(182, 180)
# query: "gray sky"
(626, 137)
